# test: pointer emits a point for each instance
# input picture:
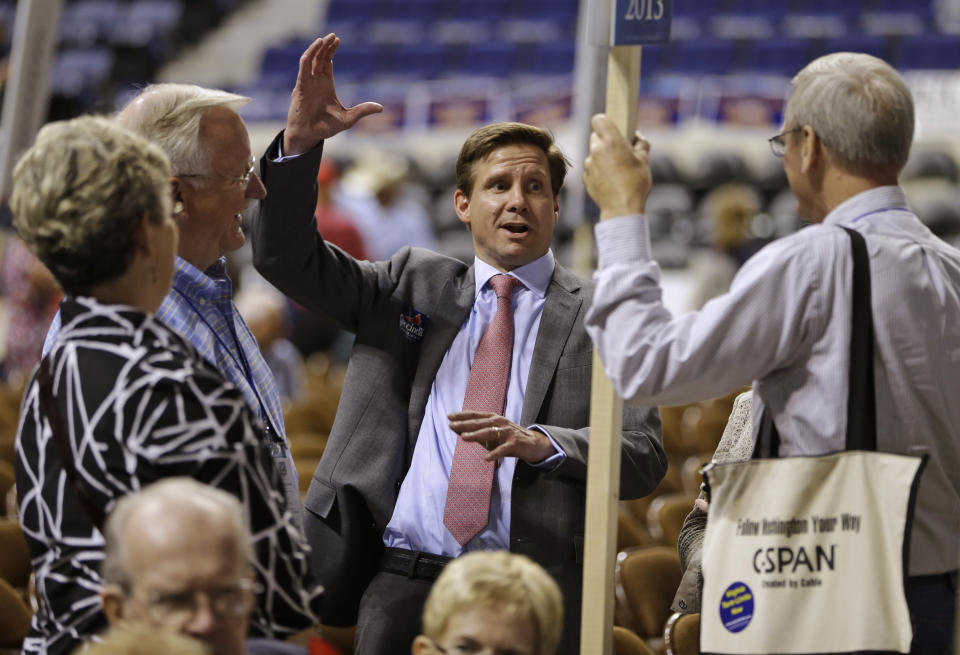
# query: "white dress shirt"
(785, 324)
(417, 521)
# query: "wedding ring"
(499, 439)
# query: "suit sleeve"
(291, 254)
(643, 462)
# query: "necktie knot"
(503, 285)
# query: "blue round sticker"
(736, 607)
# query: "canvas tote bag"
(808, 554)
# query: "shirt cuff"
(623, 240)
(554, 460)
(280, 155)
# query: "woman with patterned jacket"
(121, 400)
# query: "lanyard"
(241, 363)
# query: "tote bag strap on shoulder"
(861, 402)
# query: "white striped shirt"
(785, 325)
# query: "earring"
(177, 208)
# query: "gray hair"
(169, 115)
(79, 195)
(860, 109)
(177, 499)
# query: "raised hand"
(616, 174)
(315, 111)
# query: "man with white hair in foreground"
(178, 558)
(786, 322)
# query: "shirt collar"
(867, 202)
(211, 283)
(535, 276)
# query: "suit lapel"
(559, 313)
(451, 310)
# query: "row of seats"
(787, 56)
(106, 43)
(361, 60)
(565, 11)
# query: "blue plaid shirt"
(200, 308)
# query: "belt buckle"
(412, 570)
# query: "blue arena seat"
(357, 61)
(79, 72)
(930, 51)
(710, 56)
(553, 58)
(761, 8)
(493, 59)
(875, 45)
(422, 10)
(485, 10)
(278, 69)
(778, 56)
(352, 10)
(89, 22)
(920, 7)
(700, 10)
(849, 10)
(562, 11)
(422, 61)
(145, 22)
(655, 59)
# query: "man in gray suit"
(375, 508)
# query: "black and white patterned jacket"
(139, 404)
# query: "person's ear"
(810, 149)
(179, 209)
(461, 203)
(422, 645)
(112, 598)
(556, 210)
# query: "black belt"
(413, 563)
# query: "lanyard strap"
(241, 363)
(861, 401)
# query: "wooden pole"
(606, 418)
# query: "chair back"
(15, 565)
(646, 581)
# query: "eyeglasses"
(242, 180)
(778, 143)
(473, 648)
(225, 601)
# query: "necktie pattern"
(467, 509)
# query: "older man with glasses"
(786, 322)
(178, 559)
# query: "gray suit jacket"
(354, 489)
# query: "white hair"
(169, 115)
(181, 499)
(860, 109)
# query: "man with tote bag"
(786, 326)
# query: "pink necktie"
(467, 511)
